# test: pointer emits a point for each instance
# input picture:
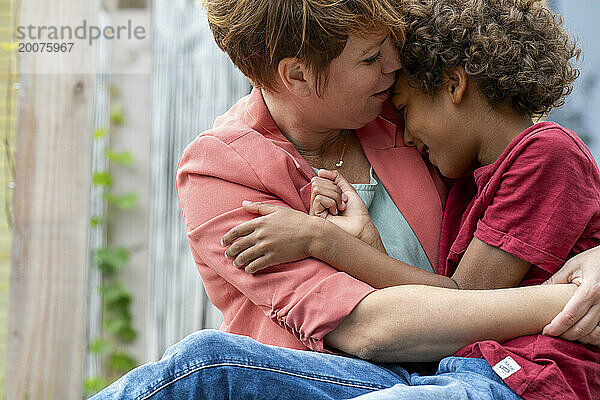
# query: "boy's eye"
(374, 59)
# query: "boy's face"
(435, 127)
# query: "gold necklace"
(340, 163)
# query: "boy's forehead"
(399, 91)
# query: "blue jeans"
(215, 365)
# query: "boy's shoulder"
(550, 142)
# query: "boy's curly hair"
(515, 50)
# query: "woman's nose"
(408, 139)
(391, 57)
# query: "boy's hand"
(281, 235)
(336, 200)
(580, 318)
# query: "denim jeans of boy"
(214, 365)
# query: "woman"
(322, 71)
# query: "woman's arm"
(421, 323)
(580, 318)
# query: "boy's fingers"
(239, 245)
(243, 229)
(258, 207)
(259, 264)
(247, 256)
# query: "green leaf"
(99, 346)
(116, 115)
(122, 362)
(123, 157)
(102, 178)
(128, 335)
(95, 221)
(93, 385)
(115, 326)
(116, 297)
(99, 133)
(123, 201)
(111, 260)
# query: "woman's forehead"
(364, 45)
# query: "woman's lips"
(384, 94)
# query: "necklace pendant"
(339, 164)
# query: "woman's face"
(359, 81)
(434, 127)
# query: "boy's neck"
(503, 124)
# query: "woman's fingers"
(340, 182)
(325, 195)
(584, 329)
(571, 314)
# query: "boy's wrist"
(316, 234)
(370, 235)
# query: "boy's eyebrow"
(374, 46)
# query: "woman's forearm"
(351, 255)
(421, 323)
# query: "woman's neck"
(310, 141)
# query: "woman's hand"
(580, 317)
(281, 235)
(336, 200)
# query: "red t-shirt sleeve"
(545, 197)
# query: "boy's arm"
(353, 256)
(487, 267)
(421, 323)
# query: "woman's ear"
(457, 84)
(296, 77)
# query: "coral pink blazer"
(245, 157)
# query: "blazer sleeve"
(307, 298)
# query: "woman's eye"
(373, 59)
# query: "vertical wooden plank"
(46, 336)
(193, 83)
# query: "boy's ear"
(457, 84)
(295, 76)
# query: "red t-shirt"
(540, 201)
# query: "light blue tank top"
(397, 236)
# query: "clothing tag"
(506, 367)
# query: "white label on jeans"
(506, 367)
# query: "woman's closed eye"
(374, 59)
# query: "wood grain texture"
(46, 335)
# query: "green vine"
(117, 321)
